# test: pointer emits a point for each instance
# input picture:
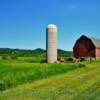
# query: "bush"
(82, 59)
(80, 65)
(13, 57)
(43, 61)
(69, 59)
(5, 57)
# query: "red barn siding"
(80, 51)
(97, 52)
(84, 48)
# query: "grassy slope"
(79, 84)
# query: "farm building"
(87, 47)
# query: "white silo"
(51, 43)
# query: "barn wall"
(97, 52)
(83, 51)
(84, 48)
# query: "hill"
(63, 53)
(29, 53)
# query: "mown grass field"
(74, 84)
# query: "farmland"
(13, 73)
(30, 81)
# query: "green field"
(29, 81)
(13, 73)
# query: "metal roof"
(95, 41)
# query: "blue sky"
(23, 22)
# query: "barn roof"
(95, 41)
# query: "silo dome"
(52, 26)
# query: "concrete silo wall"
(51, 43)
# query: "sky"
(23, 22)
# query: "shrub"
(13, 57)
(69, 59)
(5, 57)
(43, 61)
(82, 59)
(80, 65)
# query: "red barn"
(86, 47)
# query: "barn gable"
(96, 42)
(87, 47)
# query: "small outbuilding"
(86, 47)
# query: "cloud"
(70, 4)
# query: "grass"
(30, 59)
(13, 73)
(79, 84)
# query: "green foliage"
(70, 59)
(64, 54)
(83, 59)
(30, 59)
(5, 57)
(40, 53)
(13, 73)
(80, 65)
(14, 57)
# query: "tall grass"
(13, 73)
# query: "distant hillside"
(37, 52)
(62, 53)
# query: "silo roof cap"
(51, 26)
